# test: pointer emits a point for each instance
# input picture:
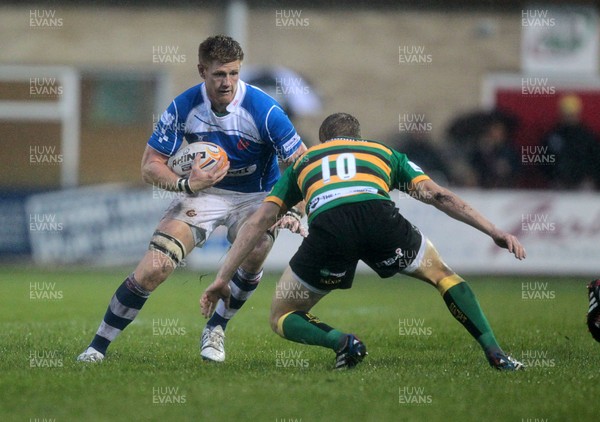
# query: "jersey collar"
(343, 138)
(239, 97)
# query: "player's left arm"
(429, 192)
(247, 238)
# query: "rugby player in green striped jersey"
(345, 183)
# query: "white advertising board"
(112, 225)
(560, 231)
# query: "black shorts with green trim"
(372, 231)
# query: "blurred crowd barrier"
(112, 224)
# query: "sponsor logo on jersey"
(329, 278)
(391, 261)
(242, 172)
(329, 196)
(190, 213)
(330, 281)
(291, 143)
(326, 273)
(243, 144)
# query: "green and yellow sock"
(306, 328)
(463, 305)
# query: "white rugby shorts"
(210, 208)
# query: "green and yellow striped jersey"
(343, 171)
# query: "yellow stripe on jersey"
(419, 179)
(336, 179)
(275, 200)
(305, 172)
(376, 161)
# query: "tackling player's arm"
(429, 192)
(155, 171)
(289, 146)
(292, 219)
(284, 164)
(248, 236)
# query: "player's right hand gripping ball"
(593, 315)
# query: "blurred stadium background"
(470, 91)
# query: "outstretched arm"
(429, 192)
(246, 239)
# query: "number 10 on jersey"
(345, 167)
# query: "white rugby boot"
(90, 355)
(213, 344)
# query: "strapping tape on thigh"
(169, 246)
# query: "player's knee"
(151, 273)
(432, 268)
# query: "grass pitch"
(422, 364)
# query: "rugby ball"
(181, 163)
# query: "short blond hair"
(220, 48)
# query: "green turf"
(436, 372)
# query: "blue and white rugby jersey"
(253, 134)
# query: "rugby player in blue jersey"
(257, 136)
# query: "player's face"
(221, 82)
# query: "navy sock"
(122, 310)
